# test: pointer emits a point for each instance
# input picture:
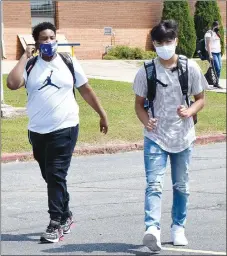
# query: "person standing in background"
(213, 47)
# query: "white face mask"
(166, 52)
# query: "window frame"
(43, 8)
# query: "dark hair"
(40, 27)
(164, 31)
(215, 23)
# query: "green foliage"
(206, 12)
(180, 11)
(110, 57)
(128, 53)
(149, 55)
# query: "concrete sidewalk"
(116, 70)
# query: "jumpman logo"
(48, 82)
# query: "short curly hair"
(40, 27)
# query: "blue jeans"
(53, 151)
(155, 160)
(217, 63)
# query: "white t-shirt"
(173, 134)
(215, 41)
(52, 107)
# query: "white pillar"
(1, 50)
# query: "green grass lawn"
(118, 100)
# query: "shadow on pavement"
(83, 248)
(167, 243)
(21, 237)
(99, 247)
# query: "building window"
(42, 10)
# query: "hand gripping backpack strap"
(151, 83)
(69, 63)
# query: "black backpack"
(211, 75)
(152, 82)
(65, 57)
(201, 49)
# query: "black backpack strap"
(161, 83)
(151, 83)
(69, 63)
(30, 64)
(182, 64)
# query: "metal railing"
(70, 44)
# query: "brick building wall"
(131, 22)
(84, 22)
(16, 20)
(223, 6)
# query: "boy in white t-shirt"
(53, 119)
(168, 132)
(213, 47)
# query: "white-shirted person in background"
(170, 133)
(213, 47)
(53, 120)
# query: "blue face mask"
(48, 49)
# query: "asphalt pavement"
(107, 195)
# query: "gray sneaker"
(151, 239)
(53, 234)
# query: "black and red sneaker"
(66, 224)
(53, 234)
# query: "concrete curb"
(108, 149)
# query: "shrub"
(129, 53)
(109, 57)
(149, 55)
(205, 13)
(180, 11)
(121, 52)
(138, 53)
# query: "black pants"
(53, 151)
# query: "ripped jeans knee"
(154, 187)
(181, 187)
